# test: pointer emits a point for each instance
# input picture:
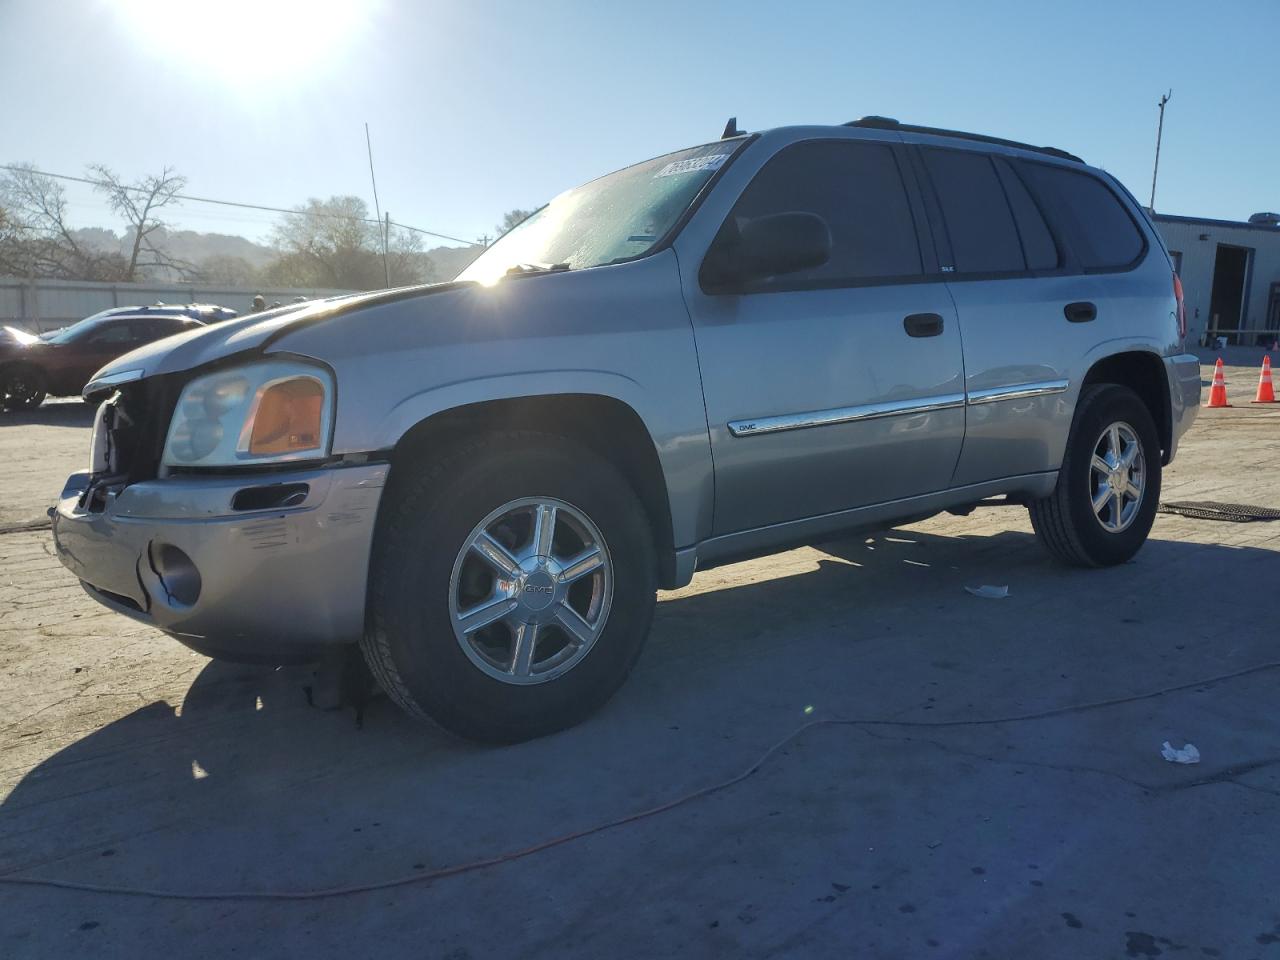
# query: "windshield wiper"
(522, 268)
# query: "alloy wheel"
(1117, 477)
(530, 590)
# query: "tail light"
(1182, 307)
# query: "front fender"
(620, 332)
(510, 386)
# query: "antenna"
(731, 129)
(1159, 135)
(384, 230)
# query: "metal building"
(1230, 276)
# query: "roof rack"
(888, 123)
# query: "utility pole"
(1159, 135)
(386, 265)
(386, 239)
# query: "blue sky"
(479, 107)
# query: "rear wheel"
(22, 387)
(512, 587)
(1104, 504)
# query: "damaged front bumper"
(266, 569)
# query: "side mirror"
(767, 246)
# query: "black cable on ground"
(475, 865)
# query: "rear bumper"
(256, 585)
(1183, 374)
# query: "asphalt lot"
(1004, 795)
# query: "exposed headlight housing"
(260, 413)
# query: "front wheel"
(21, 388)
(1104, 504)
(512, 588)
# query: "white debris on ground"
(1186, 754)
(988, 592)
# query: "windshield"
(76, 330)
(617, 217)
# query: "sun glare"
(246, 43)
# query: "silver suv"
(724, 351)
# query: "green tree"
(512, 218)
(334, 243)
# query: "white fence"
(39, 305)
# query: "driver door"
(841, 385)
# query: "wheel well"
(1144, 374)
(609, 427)
(9, 366)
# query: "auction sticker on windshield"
(692, 165)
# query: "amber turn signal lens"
(288, 418)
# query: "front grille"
(149, 405)
(136, 423)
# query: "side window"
(1087, 214)
(979, 221)
(858, 190)
(1037, 242)
(116, 333)
(153, 328)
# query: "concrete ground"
(1005, 796)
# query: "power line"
(234, 203)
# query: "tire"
(22, 387)
(422, 567)
(1065, 521)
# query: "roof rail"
(888, 123)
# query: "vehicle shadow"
(68, 413)
(247, 781)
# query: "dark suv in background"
(59, 363)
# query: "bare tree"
(39, 241)
(139, 203)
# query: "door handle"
(1081, 312)
(923, 325)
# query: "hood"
(195, 348)
(16, 337)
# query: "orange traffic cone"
(1266, 393)
(1218, 392)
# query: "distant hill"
(451, 261)
(189, 245)
(234, 259)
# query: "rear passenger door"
(840, 385)
(1029, 309)
(149, 329)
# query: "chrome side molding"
(1020, 391)
(896, 408)
(826, 418)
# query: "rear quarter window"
(1088, 215)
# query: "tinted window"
(858, 190)
(979, 222)
(1037, 242)
(153, 328)
(1087, 213)
(113, 333)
